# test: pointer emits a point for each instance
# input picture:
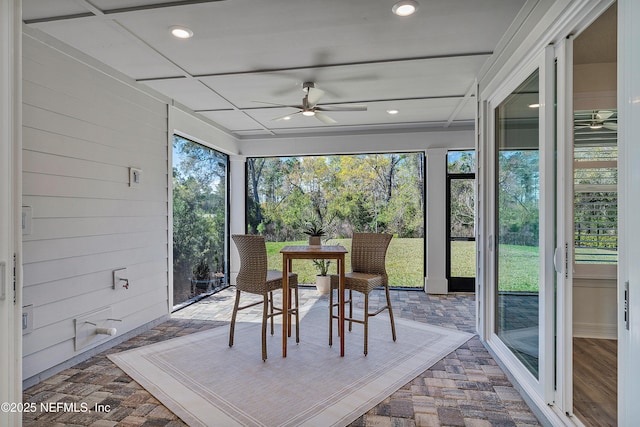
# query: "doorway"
(461, 241)
(595, 236)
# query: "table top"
(314, 250)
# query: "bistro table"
(290, 253)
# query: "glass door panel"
(518, 222)
(199, 220)
(461, 246)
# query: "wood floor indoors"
(595, 381)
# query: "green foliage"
(201, 271)
(315, 228)
(322, 265)
(377, 192)
(199, 210)
(518, 197)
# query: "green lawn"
(463, 259)
(405, 264)
(518, 268)
(518, 264)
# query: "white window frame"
(594, 271)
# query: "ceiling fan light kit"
(605, 120)
(405, 7)
(310, 107)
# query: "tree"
(518, 196)
(255, 166)
(355, 193)
(199, 212)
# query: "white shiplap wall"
(82, 131)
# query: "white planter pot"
(323, 284)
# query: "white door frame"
(539, 390)
(563, 256)
(628, 207)
(10, 202)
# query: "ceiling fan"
(598, 119)
(310, 108)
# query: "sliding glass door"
(517, 222)
(523, 292)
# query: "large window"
(595, 189)
(344, 194)
(199, 220)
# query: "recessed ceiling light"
(392, 112)
(286, 118)
(534, 105)
(181, 32)
(405, 7)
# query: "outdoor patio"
(466, 388)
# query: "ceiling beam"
(96, 12)
(347, 64)
(461, 104)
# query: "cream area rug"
(207, 383)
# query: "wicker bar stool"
(254, 278)
(368, 254)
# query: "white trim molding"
(10, 206)
(628, 205)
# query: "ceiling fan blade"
(604, 114)
(355, 107)
(610, 125)
(278, 105)
(314, 95)
(324, 118)
(277, 119)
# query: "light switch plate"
(27, 214)
(27, 319)
(135, 177)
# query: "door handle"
(557, 260)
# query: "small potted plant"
(315, 230)
(201, 278)
(323, 280)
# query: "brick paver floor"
(466, 388)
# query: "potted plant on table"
(315, 230)
(323, 280)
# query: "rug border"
(183, 397)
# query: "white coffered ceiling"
(245, 51)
